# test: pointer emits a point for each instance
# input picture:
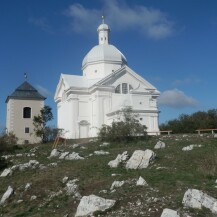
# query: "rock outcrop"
(140, 159)
(90, 204)
(194, 198)
(169, 213)
(6, 195)
(120, 158)
(159, 145)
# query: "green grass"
(179, 171)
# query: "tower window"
(26, 112)
(26, 129)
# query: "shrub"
(8, 142)
(127, 128)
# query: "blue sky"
(171, 43)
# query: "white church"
(108, 84)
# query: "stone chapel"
(86, 102)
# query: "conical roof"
(26, 91)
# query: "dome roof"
(105, 53)
(103, 26)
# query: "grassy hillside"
(171, 174)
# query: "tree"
(126, 128)
(40, 123)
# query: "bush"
(8, 142)
(127, 128)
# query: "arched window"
(26, 112)
(118, 89)
(123, 88)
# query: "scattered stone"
(120, 158)
(42, 167)
(159, 145)
(63, 155)
(194, 198)
(117, 184)
(75, 146)
(19, 201)
(55, 153)
(72, 188)
(6, 172)
(55, 194)
(65, 179)
(19, 155)
(33, 197)
(140, 159)
(169, 213)
(190, 147)
(103, 191)
(28, 186)
(101, 152)
(141, 182)
(54, 164)
(6, 195)
(215, 135)
(114, 174)
(90, 204)
(74, 156)
(104, 144)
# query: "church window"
(130, 87)
(118, 89)
(124, 88)
(26, 129)
(26, 112)
(105, 38)
(101, 39)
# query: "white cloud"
(42, 23)
(186, 81)
(151, 22)
(43, 91)
(176, 99)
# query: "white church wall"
(100, 70)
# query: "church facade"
(86, 102)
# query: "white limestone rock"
(28, 186)
(90, 204)
(197, 199)
(140, 159)
(33, 197)
(159, 145)
(104, 144)
(6, 172)
(169, 213)
(141, 182)
(190, 147)
(101, 152)
(6, 195)
(72, 188)
(117, 184)
(55, 153)
(120, 158)
(63, 155)
(74, 156)
(65, 179)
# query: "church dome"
(104, 53)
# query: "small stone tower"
(22, 105)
